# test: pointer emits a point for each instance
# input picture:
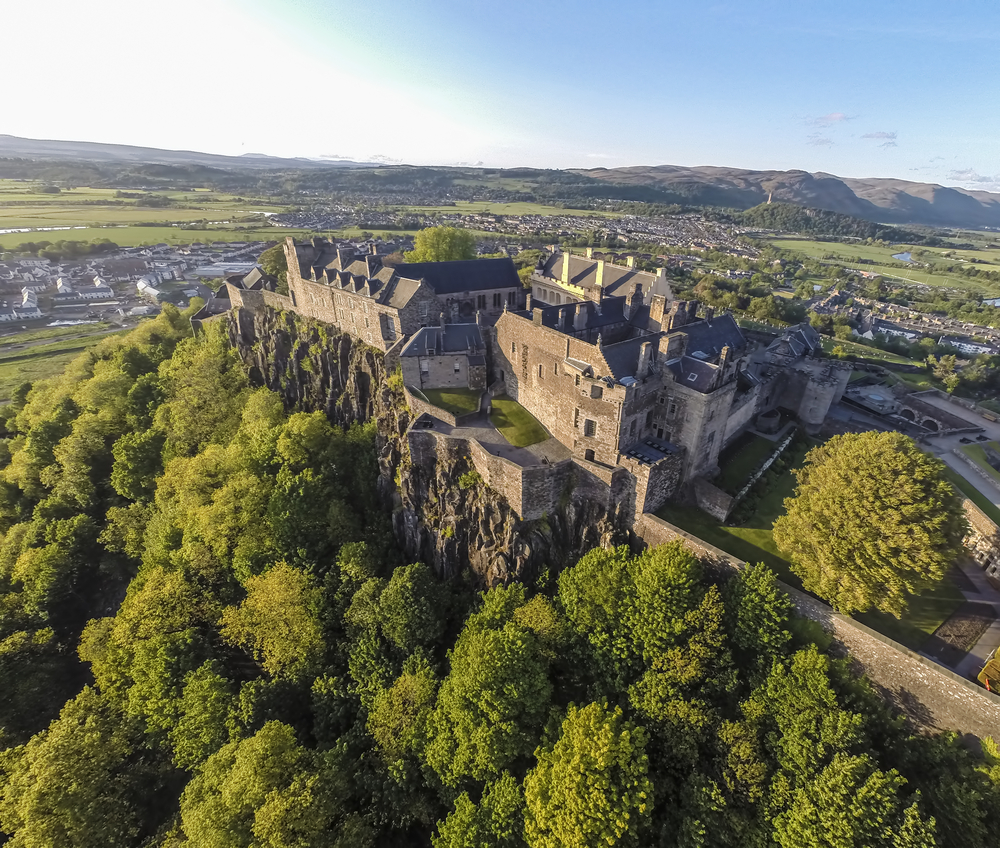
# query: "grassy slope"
(978, 455)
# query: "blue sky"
(907, 90)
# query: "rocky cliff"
(442, 513)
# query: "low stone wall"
(975, 466)
(257, 300)
(931, 696)
(418, 406)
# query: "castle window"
(649, 418)
(497, 300)
(672, 410)
(555, 368)
(576, 417)
(539, 370)
(513, 347)
(588, 455)
(458, 366)
(589, 427)
(578, 379)
(510, 298)
(596, 391)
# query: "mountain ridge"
(884, 199)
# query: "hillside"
(875, 199)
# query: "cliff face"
(441, 512)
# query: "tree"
(872, 521)
(279, 621)
(274, 262)
(265, 791)
(590, 788)
(497, 821)
(757, 615)
(442, 244)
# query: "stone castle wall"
(931, 696)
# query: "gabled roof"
(616, 280)
(562, 317)
(452, 338)
(694, 373)
(466, 275)
(709, 336)
(623, 357)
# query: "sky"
(882, 88)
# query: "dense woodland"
(210, 639)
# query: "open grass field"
(887, 266)
(132, 236)
(753, 542)
(455, 401)
(46, 359)
(517, 425)
(737, 468)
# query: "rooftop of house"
(465, 275)
(585, 315)
(708, 336)
(800, 340)
(615, 279)
(447, 339)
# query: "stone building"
(567, 278)
(446, 356)
(382, 305)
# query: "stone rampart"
(933, 697)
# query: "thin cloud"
(817, 140)
(385, 160)
(886, 136)
(600, 156)
(829, 120)
(967, 175)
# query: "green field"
(736, 469)
(455, 401)
(132, 236)
(879, 357)
(753, 542)
(888, 267)
(59, 346)
(517, 425)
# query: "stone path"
(479, 428)
(990, 640)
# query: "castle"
(639, 391)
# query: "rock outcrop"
(442, 513)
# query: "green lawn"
(517, 425)
(879, 357)
(978, 455)
(753, 542)
(51, 333)
(737, 469)
(455, 401)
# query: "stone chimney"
(692, 310)
(672, 346)
(677, 317)
(441, 321)
(373, 249)
(527, 301)
(643, 369)
(536, 316)
(580, 316)
(590, 253)
(657, 305)
(600, 275)
(599, 301)
(709, 313)
(565, 266)
(724, 355)
(633, 303)
(629, 261)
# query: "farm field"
(889, 267)
(132, 236)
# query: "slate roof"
(452, 338)
(693, 373)
(623, 357)
(465, 275)
(556, 317)
(800, 340)
(710, 336)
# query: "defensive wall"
(931, 696)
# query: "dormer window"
(692, 377)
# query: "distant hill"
(90, 151)
(885, 200)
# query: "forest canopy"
(211, 639)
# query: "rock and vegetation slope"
(211, 634)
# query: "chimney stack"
(677, 317)
(580, 316)
(590, 253)
(374, 249)
(657, 306)
(630, 262)
(565, 266)
(536, 316)
(709, 313)
(600, 274)
(643, 369)
(527, 301)
(724, 360)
